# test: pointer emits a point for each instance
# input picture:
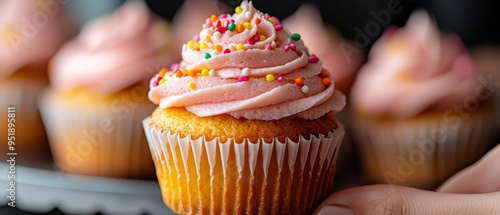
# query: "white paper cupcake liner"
(420, 153)
(97, 140)
(248, 177)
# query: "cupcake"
(31, 32)
(245, 123)
(94, 109)
(420, 113)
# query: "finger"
(481, 177)
(390, 199)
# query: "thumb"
(481, 177)
(391, 199)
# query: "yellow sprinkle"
(247, 25)
(204, 72)
(190, 44)
(203, 46)
(262, 37)
(191, 85)
(162, 81)
(269, 77)
(239, 47)
(184, 71)
(271, 19)
(238, 10)
(197, 45)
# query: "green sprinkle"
(231, 26)
(207, 55)
(296, 37)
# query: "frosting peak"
(247, 65)
(413, 69)
(31, 32)
(112, 52)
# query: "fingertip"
(334, 209)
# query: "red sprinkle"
(242, 79)
(250, 41)
(323, 74)
(226, 51)
(292, 46)
(280, 78)
(256, 38)
(278, 27)
(313, 59)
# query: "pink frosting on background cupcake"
(31, 32)
(113, 52)
(413, 69)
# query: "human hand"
(474, 190)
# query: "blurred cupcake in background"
(31, 32)
(420, 113)
(98, 99)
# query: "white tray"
(41, 191)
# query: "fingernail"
(335, 210)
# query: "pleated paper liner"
(199, 176)
(99, 139)
(21, 91)
(425, 151)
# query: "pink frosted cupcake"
(420, 110)
(246, 122)
(97, 101)
(31, 32)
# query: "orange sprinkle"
(208, 39)
(323, 74)
(197, 49)
(163, 71)
(326, 81)
(240, 28)
(257, 20)
(178, 74)
(213, 18)
(218, 48)
(299, 81)
(192, 73)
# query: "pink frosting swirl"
(31, 32)
(414, 69)
(247, 65)
(112, 52)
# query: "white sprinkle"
(248, 14)
(184, 48)
(214, 52)
(273, 44)
(305, 89)
(246, 71)
(217, 35)
(211, 73)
